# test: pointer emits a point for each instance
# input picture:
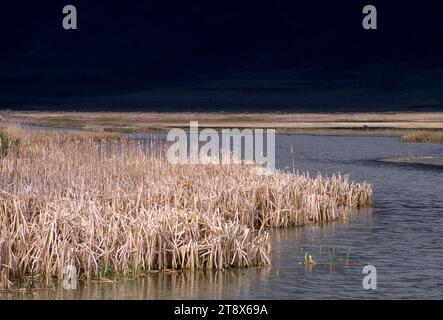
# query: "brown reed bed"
(62, 202)
(423, 137)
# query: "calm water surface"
(402, 236)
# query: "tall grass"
(423, 137)
(63, 203)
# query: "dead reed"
(62, 202)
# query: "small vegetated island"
(63, 203)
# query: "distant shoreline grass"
(423, 137)
(389, 124)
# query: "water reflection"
(161, 285)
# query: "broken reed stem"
(129, 212)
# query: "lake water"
(402, 236)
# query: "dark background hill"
(221, 56)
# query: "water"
(401, 236)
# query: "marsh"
(399, 235)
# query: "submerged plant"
(332, 259)
(348, 255)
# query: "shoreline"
(425, 160)
(343, 124)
